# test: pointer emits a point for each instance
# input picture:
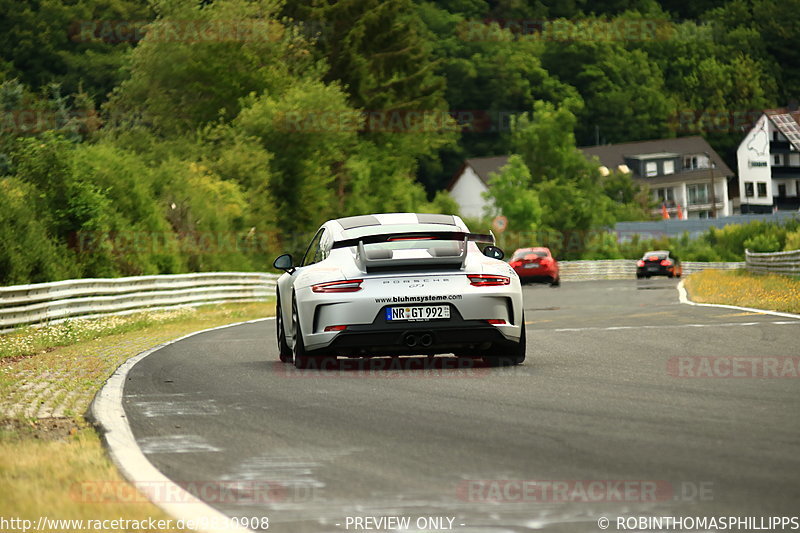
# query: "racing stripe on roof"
(426, 218)
(358, 221)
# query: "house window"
(669, 166)
(794, 160)
(666, 196)
(762, 190)
(697, 193)
(690, 161)
(749, 192)
(777, 160)
(651, 168)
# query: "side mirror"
(494, 252)
(284, 262)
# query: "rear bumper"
(545, 275)
(660, 271)
(421, 338)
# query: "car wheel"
(284, 352)
(518, 352)
(670, 275)
(556, 282)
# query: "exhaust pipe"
(425, 340)
(410, 340)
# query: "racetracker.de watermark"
(176, 31)
(395, 121)
(413, 367)
(581, 491)
(726, 367)
(713, 120)
(566, 30)
(239, 492)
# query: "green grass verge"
(48, 453)
(739, 287)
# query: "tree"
(512, 194)
(196, 63)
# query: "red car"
(536, 264)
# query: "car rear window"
(526, 253)
(658, 255)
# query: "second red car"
(536, 265)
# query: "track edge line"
(108, 416)
(683, 296)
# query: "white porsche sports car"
(399, 284)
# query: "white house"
(471, 182)
(769, 163)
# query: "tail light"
(496, 321)
(487, 280)
(666, 263)
(335, 328)
(515, 263)
(640, 263)
(348, 285)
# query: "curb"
(108, 415)
(684, 299)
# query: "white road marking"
(672, 326)
(176, 444)
(185, 408)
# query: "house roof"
(788, 123)
(613, 155)
(482, 166)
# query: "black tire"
(518, 352)
(284, 352)
(556, 282)
(639, 276)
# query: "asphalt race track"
(601, 400)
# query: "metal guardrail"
(55, 301)
(787, 263)
(626, 269)
(86, 298)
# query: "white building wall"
(754, 162)
(468, 193)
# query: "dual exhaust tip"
(423, 340)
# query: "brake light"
(335, 328)
(640, 263)
(515, 263)
(653, 258)
(348, 285)
(666, 263)
(487, 280)
(496, 321)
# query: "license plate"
(652, 268)
(532, 265)
(418, 313)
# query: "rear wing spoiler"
(418, 235)
(440, 257)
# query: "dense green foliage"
(159, 136)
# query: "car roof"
(533, 249)
(362, 225)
